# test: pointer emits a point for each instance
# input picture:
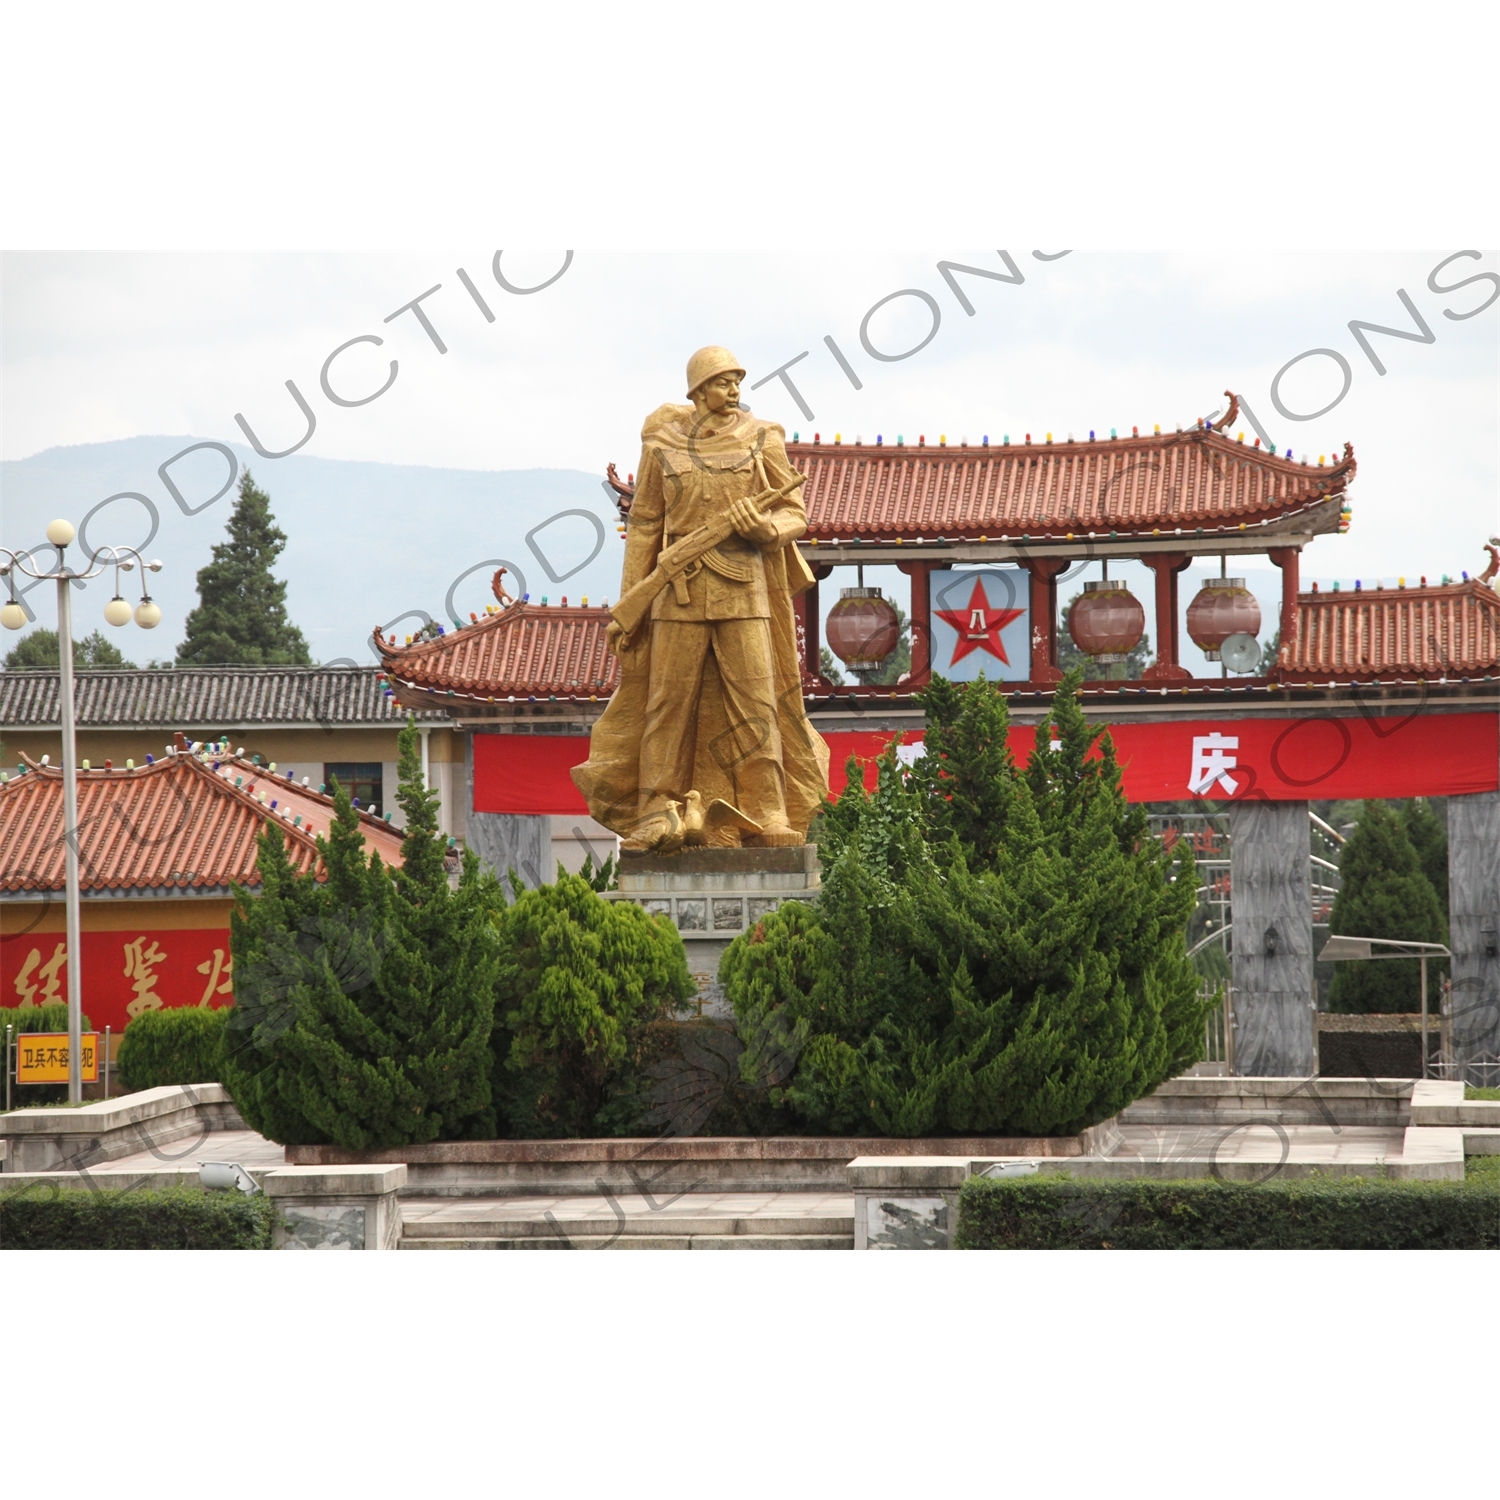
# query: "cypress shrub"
(995, 950)
(1429, 837)
(581, 983)
(1055, 1212)
(364, 1003)
(1386, 894)
(179, 1218)
(181, 1044)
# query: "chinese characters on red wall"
(125, 973)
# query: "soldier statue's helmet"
(707, 363)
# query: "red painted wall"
(124, 973)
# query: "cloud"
(108, 347)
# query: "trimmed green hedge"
(32, 1019)
(1310, 1213)
(183, 1218)
(179, 1045)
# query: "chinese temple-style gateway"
(1371, 693)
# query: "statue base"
(711, 896)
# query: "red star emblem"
(979, 626)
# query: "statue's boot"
(775, 836)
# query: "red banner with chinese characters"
(1218, 760)
(124, 973)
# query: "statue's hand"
(616, 642)
(750, 523)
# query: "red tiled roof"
(1131, 486)
(1445, 630)
(176, 826)
(526, 650)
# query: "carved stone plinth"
(713, 895)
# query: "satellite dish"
(1240, 652)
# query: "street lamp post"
(117, 612)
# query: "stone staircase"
(706, 1221)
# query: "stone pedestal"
(713, 895)
(337, 1208)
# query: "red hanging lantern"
(1224, 607)
(862, 629)
(1108, 621)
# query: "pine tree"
(241, 615)
(996, 949)
(1429, 837)
(40, 649)
(967, 772)
(1384, 895)
(365, 1002)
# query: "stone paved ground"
(250, 1150)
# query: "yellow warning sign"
(42, 1057)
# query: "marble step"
(502, 1226)
(637, 1241)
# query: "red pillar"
(1044, 571)
(921, 622)
(1288, 559)
(1166, 566)
(812, 626)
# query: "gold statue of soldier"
(706, 740)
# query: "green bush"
(31, 1019)
(182, 1218)
(1056, 1212)
(181, 1044)
(996, 949)
(581, 982)
(364, 1002)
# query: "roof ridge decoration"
(524, 650)
(1380, 591)
(1193, 482)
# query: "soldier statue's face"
(721, 393)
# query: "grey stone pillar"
(1474, 925)
(1273, 940)
(513, 841)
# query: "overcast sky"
(107, 345)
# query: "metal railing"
(1482, 1072)
(1218, 1026)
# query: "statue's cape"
(610, 779)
